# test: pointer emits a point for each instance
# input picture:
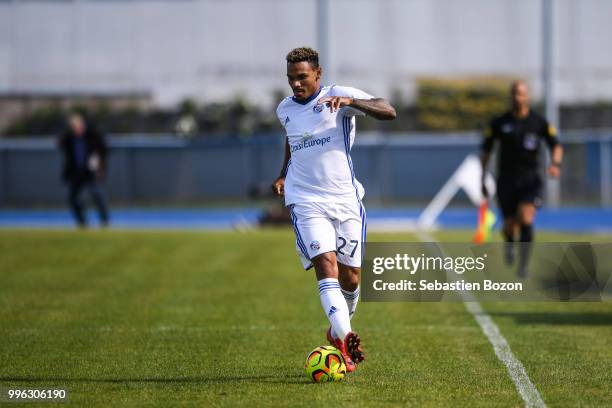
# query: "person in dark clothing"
(84, 151)
(520, 133)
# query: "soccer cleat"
(352, 342)
(337, 343)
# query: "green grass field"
(225, 319)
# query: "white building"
(215, 49)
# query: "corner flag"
(486, 221)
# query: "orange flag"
(486, 221)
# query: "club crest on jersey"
(306, 135)
(507, 128)
(315, 246)
(318, 108)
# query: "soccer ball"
(325, 364)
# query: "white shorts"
(327, 227)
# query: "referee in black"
(520, 133)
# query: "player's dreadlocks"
(304, 54)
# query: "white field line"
(516, 370)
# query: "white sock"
(334, 306)
(351, 300)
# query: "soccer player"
(520, 134)
(321, 191)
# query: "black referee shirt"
(519, 143)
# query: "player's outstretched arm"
(378, 108)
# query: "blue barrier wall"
(164, 169)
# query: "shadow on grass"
(288, 379)
(559, 318)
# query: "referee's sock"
(335, 306)
(509, 249)
(527, 233)
(525, 248)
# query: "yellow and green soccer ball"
(325, 364)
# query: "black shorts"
(513, 191)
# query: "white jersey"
(320, 168)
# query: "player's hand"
(278, 187)
(554, 171)
(485, 191)
(335, 102)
